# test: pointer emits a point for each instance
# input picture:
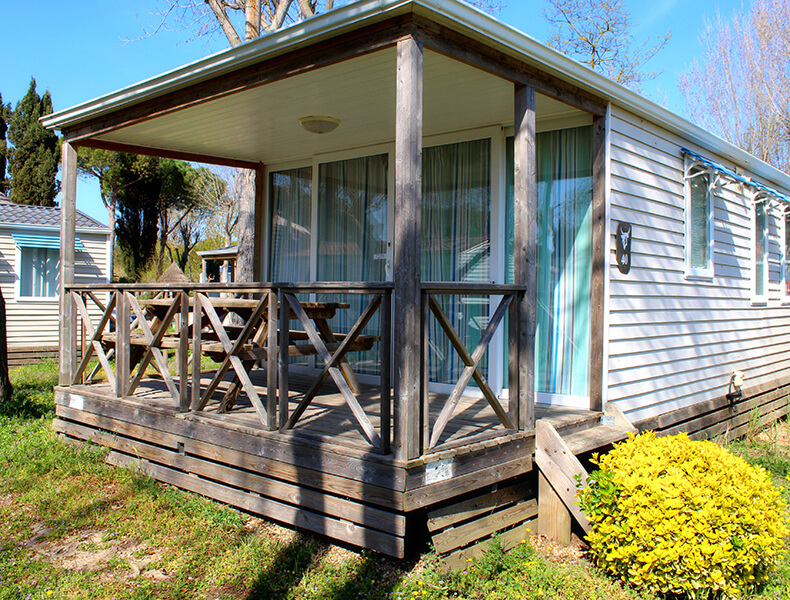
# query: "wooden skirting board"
(342, 492)
(722, 419)
(21, 356)
(464, 530)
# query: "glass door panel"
(352, 239)
(456, 214)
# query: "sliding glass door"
(456, 244)
(564, 240)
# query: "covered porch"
(416, 220)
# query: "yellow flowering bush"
(680, 517)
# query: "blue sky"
(85, 49)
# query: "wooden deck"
(328, 418)
(323, 475)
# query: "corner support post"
(525, 253)
(68, 311)
(408, 371)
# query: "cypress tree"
(34, 159)
(4, 113)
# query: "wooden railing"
(510, 295)
(139, 322)
(128, 328)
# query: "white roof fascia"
(52, 228)
(480, 26)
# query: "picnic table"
(231, 344)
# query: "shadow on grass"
(33, 395)
(372, 577)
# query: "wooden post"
(282, 361)
(599, 256)
(407, 294)
(524, 251)
(197, 353)
(183, 352)
(386, 379)
(271, 362)
(68, 311)
(122, 344)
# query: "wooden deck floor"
(329, 418)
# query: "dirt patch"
(95, 550)
(573, 554)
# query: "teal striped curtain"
(562, 341)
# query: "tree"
(740, 87)
(244, 20)
(104, 165)
(5, 113)
(598, 34)
(34, 159)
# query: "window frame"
(758, 201)
(785, 261)
(19, 275)
(691, 271)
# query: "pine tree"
(34, 158)
(4, 114)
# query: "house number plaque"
(623, 247)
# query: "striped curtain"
(39, 273)
(352, 239)
(456, 207)
(562, 340)
(291, 193)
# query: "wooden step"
(595, 438)
(569, 425)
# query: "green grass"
(73, 527)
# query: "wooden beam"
(407, 273)
(166, 153)
(455, 45)
(561, 469)
(525, 218)
(600, 253)
(348, 45)
(68, 312)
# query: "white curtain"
(39, 272)
(456, 210)
(291, 196)
(352, 239)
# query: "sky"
(83, 50)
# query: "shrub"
(685, 518)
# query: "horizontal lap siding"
(34, 323)
(674, 341)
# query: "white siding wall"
(675, 341)
(34, 323)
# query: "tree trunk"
(6, 389)
(245, 259)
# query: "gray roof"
(39, 215)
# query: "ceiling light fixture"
(319, 124)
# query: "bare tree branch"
(222, 17)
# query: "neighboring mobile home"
(479, 243)
(29, 273)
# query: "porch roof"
(456, 16)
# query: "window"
(760, 270)
(786, 257)
(699, 223)
(38, 273)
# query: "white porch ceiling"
(262, 124)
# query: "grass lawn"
(73, 527)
